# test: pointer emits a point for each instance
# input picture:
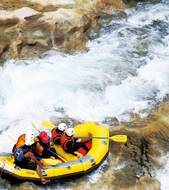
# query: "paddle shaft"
(93, 137)
(62, 159)
(115, 138)
(2, 168)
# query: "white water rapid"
(126, 70)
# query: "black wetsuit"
(26, 163)
(74, 146)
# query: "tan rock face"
(148, 140)
(56, 3)
(31, 27)
(25, 186)
(118, 4)
(67, 28)
(24, 13)
(7, 18)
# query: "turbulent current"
(126, 70)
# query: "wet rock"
(121, 4)
(2, 48)
(55, 3)
(67, 27)
(25, 186)
(7, 18)
(147, 142)
(28, 28)
(39, 5)
(111, 121)
(24, 13)
(13, 17)
(5, 185)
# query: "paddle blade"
(119, 138)
(34, 126)
(48, 124)
(11, 138)
(51, 162)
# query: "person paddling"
(75, 146)
(57, 133)
(24, 157)
(42, 146)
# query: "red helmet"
(44, 137)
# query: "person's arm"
(84, 140)
(31, 157)
(38, 148)
(71, 150)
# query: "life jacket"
(64, 140)
(40, 146)
(56, 135)
(83, 150)
(20, 148)
(20, 142)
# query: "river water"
(126, 70)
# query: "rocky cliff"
(31, 27)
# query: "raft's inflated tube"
(73, 166)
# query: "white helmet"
(70, 132)
(29, 138)
(62, 126)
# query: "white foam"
(97, 174)
(107, 81)
(162, 174)
(148, 14)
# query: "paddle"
(48, 124)
(61, 158)
(51, 162)
(115, 138)
(3, 166)
(11, 138)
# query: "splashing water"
(126, 70)
(162, 175)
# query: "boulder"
(46, 5)
(120, 4)
(31, 27)
(68, 28)
(25, 186)
(54, 3)
(24, 13)
(14, 17)
(7, 18)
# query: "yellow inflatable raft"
(72, 166)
